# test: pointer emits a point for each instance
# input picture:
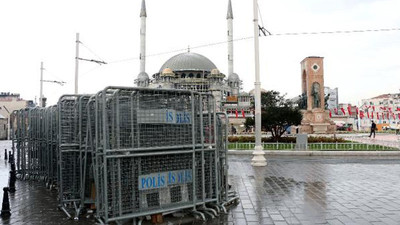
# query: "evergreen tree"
(277, 114)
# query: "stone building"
(332, 95)
(3, 127)
(193, 71)
(383, 109)
(10, 102)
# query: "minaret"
(229, 18)
(142, 56)
(142, 79)
(233, 79)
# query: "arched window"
(183, 75)
(198, 75)
(190, 75)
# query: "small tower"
(229, 18)
(233, 79)
(143, 78)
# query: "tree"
(277, 114)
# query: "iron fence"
(345, 146)
(128, 152)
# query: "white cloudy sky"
(361, 65)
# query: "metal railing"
(386, 146)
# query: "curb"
(317, 153)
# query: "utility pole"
(41, 85)
(258, 153)
(41, 97)
(76, 63)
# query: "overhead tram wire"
(268, 34)
(90, 50)
(261, 28)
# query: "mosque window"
(190, 75)
(183, 75)
(198, 75)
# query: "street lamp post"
(258, 153)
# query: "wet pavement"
(290, 190)
(317, 190)
(389, 140)
(32, 203)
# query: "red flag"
(361, 114)
(390, 109)
(336, 111)
(387, 115)
(377, 115)
(372, 115)
(349, 109)
(368, 114)
(344, 113)
(393, 116)
(398, 115)
(373, 108)
(330, 114)
(398, 109)
(357, 110)
(236, 112)
(243, 113)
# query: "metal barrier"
(356, 146)
(128, 152)
(155, 151)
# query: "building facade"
(3, 127)
(10, 102)
(332, 97)
(384, 110)
(193, 71)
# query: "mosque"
(192, 71)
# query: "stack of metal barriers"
(128, 152)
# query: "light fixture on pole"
(258, 153)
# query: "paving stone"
(290, 190)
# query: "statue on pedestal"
(315, 94)
(302, 101)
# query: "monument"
(312, 101)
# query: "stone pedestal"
(317, 121)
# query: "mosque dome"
(167, 72)
(233, 77)
(142, 76)
(188, 61)
(215, 72)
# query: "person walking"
(373, 128)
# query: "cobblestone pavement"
(316, 190)
(290, 190)
(389, 140)
(32, 203)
